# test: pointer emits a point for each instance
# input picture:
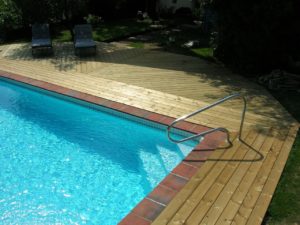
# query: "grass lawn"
(285, 205)
(204, 53)
(176, 40)
(108, 30)
(137, 44)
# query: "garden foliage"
(10, 16)
(252, 35)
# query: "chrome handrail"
(202, 134)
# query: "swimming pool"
(62, 162)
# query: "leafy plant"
(10, 15)
(197, 13)
(93, 19)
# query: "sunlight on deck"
(234, 186)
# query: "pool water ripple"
(63, 163)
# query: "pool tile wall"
(153, 204)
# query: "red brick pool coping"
(154, 203)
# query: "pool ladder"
(202, 134)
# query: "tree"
(75, 10)
(116, 9)
(10, 17)
(40, 11)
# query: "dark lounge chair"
(41, 40)
(83, 40)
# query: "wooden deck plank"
(254, 190)
(260, 177)
(104, 90)
(152, 97)
(229, 180)
(220, 204)
(223, 191)
(196, 79)
(203, 196)
(230, 118)
(231, 112)
(264, 199)
(230, 214)
(182, 197)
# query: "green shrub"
(93, 19)
(10, 17)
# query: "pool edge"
(147, 210)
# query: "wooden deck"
(235, 185)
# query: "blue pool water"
(63, 163)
